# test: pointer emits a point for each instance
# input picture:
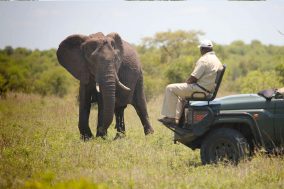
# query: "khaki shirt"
(205, 70)
(281, 91)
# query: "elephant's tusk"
(97, 87)
(122, 86)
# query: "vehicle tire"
(224, 145)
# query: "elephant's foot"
(86, 137)
(148, 130)
(119, 135)
(101, 134)
(104, 137)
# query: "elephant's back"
(130, 70)
(130, 57)
(129, 73)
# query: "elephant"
(110, 74)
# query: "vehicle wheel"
(224, 145)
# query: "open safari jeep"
(228, 129)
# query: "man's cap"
(206, 43)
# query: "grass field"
(40, 148)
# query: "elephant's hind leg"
(139, 103)
(120, 124)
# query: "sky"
(44, 24)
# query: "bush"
(153, 86)
(29, 71)
(256, 81)
(53, 82)
(180, 70)
(167, 57)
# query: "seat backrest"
(218, 80)
(196, 96)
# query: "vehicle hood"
(237, 102)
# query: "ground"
(40, 148)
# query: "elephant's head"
(99, 57)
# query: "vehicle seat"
(202, 96)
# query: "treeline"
(167, 57)
(28, 71)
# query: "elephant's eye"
(94, 46)
(112, 44)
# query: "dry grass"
(40, 148)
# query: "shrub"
(255, 81)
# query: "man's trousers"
(174, 98)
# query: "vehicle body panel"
(279, 120)
(264, 117)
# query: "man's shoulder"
(208, 55)
(208, 58)
(211, 57)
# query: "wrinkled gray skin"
(110, 74)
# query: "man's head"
(205, 46)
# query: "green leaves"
(23, 70)
(167, 57)
(180, 70)
(256, 81)
(173, 45)
(280, 70)
(53, 82)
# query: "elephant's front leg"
(120, 124)
(101, 131)
(84, 111)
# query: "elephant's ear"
(69, 55)
(118, 41)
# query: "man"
(280, 91)
(202, 79)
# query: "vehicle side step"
(177, 129)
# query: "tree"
(172, 45)
(280, 72)
(256, 81)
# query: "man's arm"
(197, 72)
(191, 80)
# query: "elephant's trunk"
(107, 84)
(118, 83)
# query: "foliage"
(32, 72)
(256, 81)
(173, 45)
(74, 184)
(179, 70)
(167, 57)
(40, 148)
(280, 70)
(250, 67)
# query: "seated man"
(281, 91)
(202, 79)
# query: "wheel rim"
(224, 151)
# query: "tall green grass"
(40, 148)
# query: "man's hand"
(191, 80)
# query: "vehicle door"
(279, 120)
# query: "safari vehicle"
(230, 128)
